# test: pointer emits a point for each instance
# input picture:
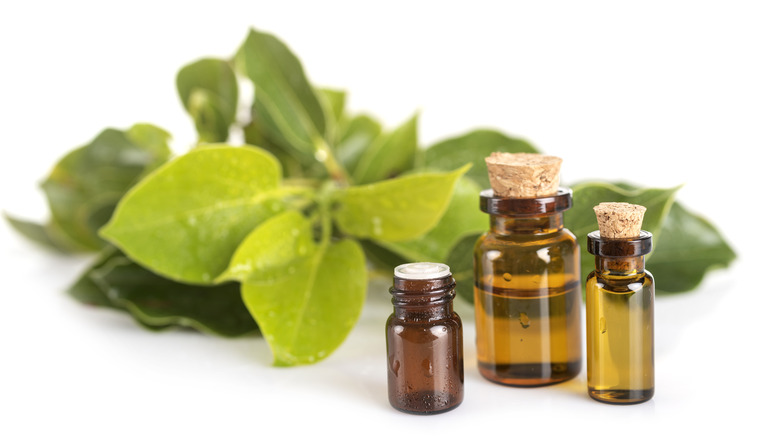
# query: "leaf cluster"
(282, 231)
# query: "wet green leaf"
(472, 148)
(286, 98)
(159, 302)
(307, 310)
(462, 218)
(93, 293)
(209, 91)
(581, 219)
(388, 155)
(186, 219)
(403, 208)
(84, 187)
(273, 245)
(687, 248)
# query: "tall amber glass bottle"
(424, 341)
(527, 292)
(619, 322)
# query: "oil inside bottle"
(528, 336)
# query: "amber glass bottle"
(619, 321)
(424, 341)
(527, 292)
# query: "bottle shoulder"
(634, 283)
(562, 238)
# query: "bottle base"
(621, 396)
(426, 402)
(529, 375)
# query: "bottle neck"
(629, 266)
(423, 299)
(424, 312)
(537, 224)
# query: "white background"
(660, 93)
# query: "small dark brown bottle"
(424, 341)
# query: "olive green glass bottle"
(619, 320)
(527, 292)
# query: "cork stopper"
(619, 220)
(523, 175)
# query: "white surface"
(660, 94)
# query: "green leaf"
(462, 218)
(472, 148)
(688, 247)
(153, 140)
(87, 291)
(45, 235)
(257, 133)
(209, 91)
(185, 220)
(581, 219)
(284, 93)
(307, 313)
(94, 293)
(381, 259)
(389, 155)
(334, 102)
(461, 263)
(159, 302)
(273, 245)
(84, 187)
(403, 208)
(358, 134)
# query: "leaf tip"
(460, 171)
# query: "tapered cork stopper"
(523, 175)
(619, 220)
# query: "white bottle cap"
(422, 271)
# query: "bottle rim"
(559, 202)
(629, 247)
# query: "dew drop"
(602, 325)
(395, 365)
(427, 367)
(525, 321)
(507, 276)
(376, 223)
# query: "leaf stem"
(324, 153)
